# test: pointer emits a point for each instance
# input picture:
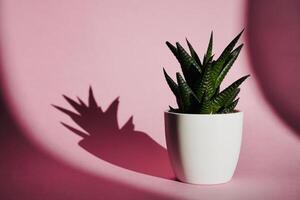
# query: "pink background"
(50, 48)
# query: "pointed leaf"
(173, 86)
(184, 93)
(186, 60)
(221, 99)
(193, 53)
(218, 66)
(205, 85)
(230, 108)
(209, 50)
(217, 91)
(206, 108)
(232, 98)
(174, 109)
(172, 48)
(187, 98)
(228, 65)
(190, 68)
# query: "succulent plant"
(198, 90)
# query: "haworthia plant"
(198, 90)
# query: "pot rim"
(238, 112)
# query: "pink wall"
(274, 47)
(50, 48)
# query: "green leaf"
(194, 77)
(174, 109)
(205, 85)
(222, 98)
(187, 99)
(209, 50)
(230, 108)
(184, 94)
(228, 65)
(198, 90)
(234, 95)
(172, 48)
(206, 108)
(217, 91)
(193, 53)
(209, 63)
(173, 86)
(225, 55)
(185, 59)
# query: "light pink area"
(50, 48)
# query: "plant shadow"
(124, 147)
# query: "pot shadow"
(29, 173)
(124, 147)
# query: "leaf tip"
(239, 35)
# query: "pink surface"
(50, 48)
(274, 32)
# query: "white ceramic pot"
(204, 148)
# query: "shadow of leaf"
(124, 147)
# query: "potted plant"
(204, 133)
